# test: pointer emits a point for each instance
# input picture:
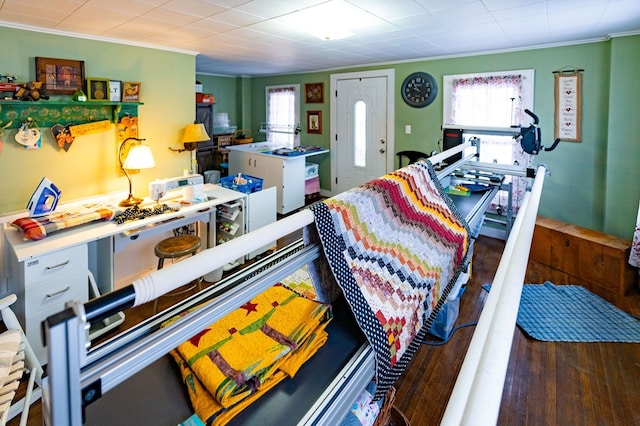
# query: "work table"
(94, 258)
(26, 249)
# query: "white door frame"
(390, 140)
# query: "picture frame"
(314, 93)
(60, 76)
(314, 122)
(131, 91)
(97, 89)
(115, 90)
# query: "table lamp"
(193, 135)
(139, 157)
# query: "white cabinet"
(286, 174)
(261, 211)
(43, 285)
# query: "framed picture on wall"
(314, 122)
(131, 91)
(115, 90)
(97, 89)
(314, 93)
(60, 76)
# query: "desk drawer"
(51, 266)
(54, 293)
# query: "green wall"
(225, 92)
(595, 183)
(623, 137)
(89, 167)
(586, 179)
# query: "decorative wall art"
(314, 122)
(314, 93)
(61, 76)
(568, 103)
(98, 89)
(131, 91)
(115, 90)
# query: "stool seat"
(175, 247)
(178, 246)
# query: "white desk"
(48, 273)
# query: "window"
(283, 112)
(360, 134)
(496, 99)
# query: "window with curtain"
(283, 112)
(493, 100)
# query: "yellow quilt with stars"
(235, 360)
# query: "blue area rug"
(571, 313)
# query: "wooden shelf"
(47, 113)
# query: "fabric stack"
(233, 362)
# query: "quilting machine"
(85, 383)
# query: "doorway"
(362, 127)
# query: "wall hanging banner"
(90, 128)
(568, 102)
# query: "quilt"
(37, 228)
(235, 360)
(396, 246)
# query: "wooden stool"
(175, 247)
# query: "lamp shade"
(195, 133)
(139, 157)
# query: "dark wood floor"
(546, 384)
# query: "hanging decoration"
(568, 104)
(62, 135)
(127, 127)
(28, 135)
(90, 128)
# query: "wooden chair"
(17, 363)
(413, 156)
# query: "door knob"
(382, 150)
(382, 141)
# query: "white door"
(361, 143)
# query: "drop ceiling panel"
(257, 37)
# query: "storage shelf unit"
(231, 224)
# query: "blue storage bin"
(252, 183)
(446, 318)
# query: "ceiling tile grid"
(262, 37)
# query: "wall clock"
(419, 89)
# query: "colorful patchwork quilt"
(396, 246)
(237, 359)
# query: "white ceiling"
(264, 37)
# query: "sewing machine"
(192, 187)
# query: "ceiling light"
(333, 20)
